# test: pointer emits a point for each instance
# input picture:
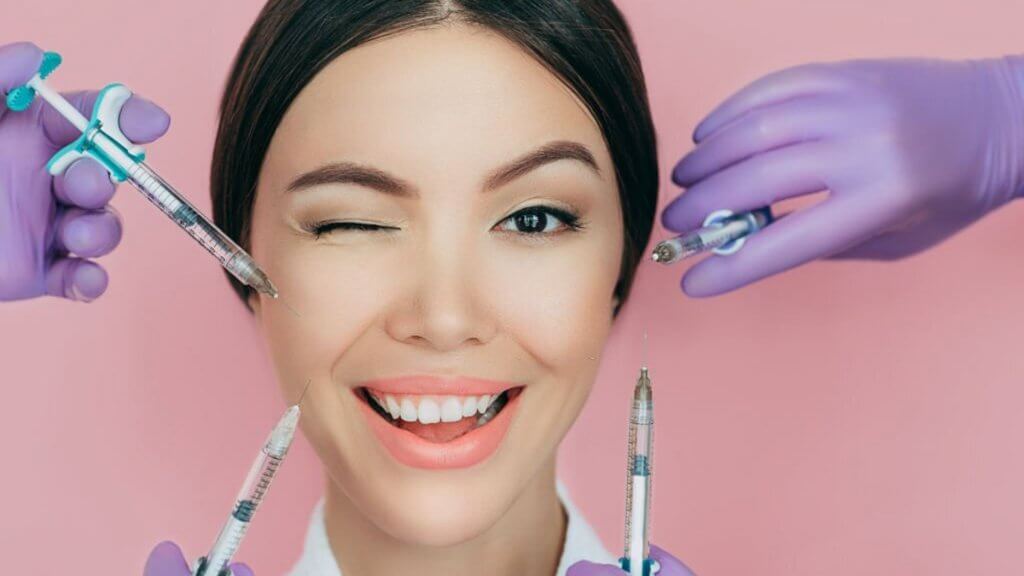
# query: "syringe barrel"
(235, 260)
(639, 471)
(230, 538)
(230, 255)
(249, 498)
(719, 235)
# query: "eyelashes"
(530, 221)
(535, 221)
(319, 229)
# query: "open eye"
(540, 220)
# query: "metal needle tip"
(644, 356)
(304, 389)
(288, 306)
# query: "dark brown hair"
(585, 43)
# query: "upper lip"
(439, 385)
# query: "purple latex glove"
(51, 228)
(911, 151)
(167, 560)
(670, 566)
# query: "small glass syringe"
(103, 141)
(639, 471)
(723, 232)
(254, 489)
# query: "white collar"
(581, 543)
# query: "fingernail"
(89, 282)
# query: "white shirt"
(581, 543)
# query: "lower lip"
(467, 450)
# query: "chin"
(439, 513)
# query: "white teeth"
(432, 409)
(429, 411)
(451, 409)
(408, 410)
(393, 407)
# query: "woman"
(454, 198)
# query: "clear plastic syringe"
(723, 232)
(103, 141)
(639, 471)
(254, 489)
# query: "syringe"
(254, 489)
(103, 141)
(639, 471)
(723, 232)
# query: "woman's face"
(442, 213)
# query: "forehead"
(454, 96)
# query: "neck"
(527, 539)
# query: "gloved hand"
(912, 151)
(670, 566)
(50, 228)
(167, 560)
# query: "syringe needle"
(644, 363)
(304, 389)
(284, 303)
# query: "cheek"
(337, 297)
(557, 303)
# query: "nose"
(443, 305)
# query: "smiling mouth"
(437, 419)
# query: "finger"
(819, 231)
(239, 569)
(18, 63)
(761, 130)
(76, 279)
(882, 247)
(670, 565)
(88, 233)
(896, 245)
(166, 559)
(587, 568)
(802, 80)
(141, 121)
(758, 181)
(85, 184)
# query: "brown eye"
(540, 220)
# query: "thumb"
(587, 568)
(166, 559)
(670, 565)
(239, 569)
(141, 121)
(18, 62)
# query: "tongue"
(441, 431)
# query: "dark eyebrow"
(550, 152)
(355, 173)
(352, 173)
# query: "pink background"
(843, 419)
